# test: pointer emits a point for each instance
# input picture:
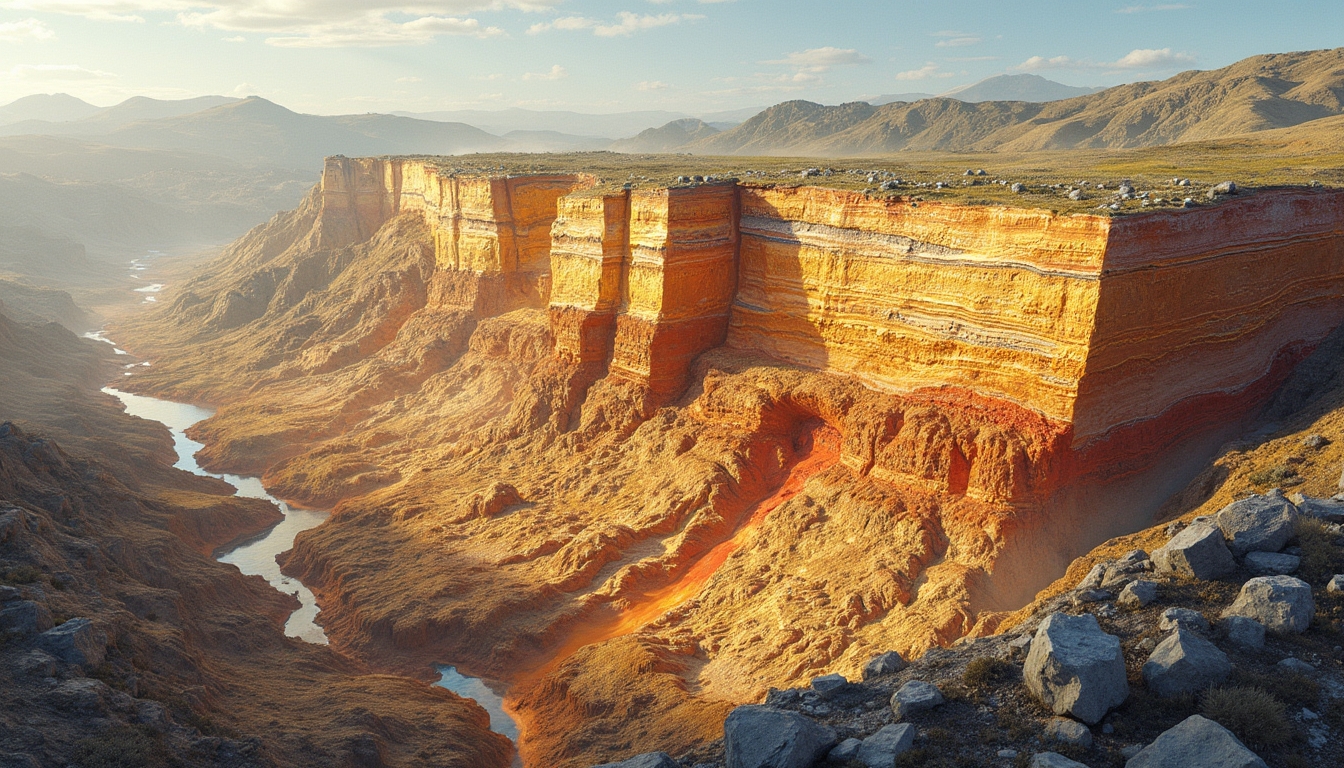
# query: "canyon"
(640, 452)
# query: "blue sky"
(339, 56)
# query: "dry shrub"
(1255, 716)
(1292, 689)
(986, 671)
(1321, 559)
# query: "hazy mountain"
(50, 107)
(553, 141)
(1256, 94)
(889, 98)
(1017, 88)
(668, 137)
(101, 121)
(28, 304)
(500, 122)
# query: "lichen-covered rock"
(1272, 563)
(1076, 669)
(1185, 663)
(1257, 523)
(647, 760)
(1198, 551)
(760, 737)
(1067, 731)
(882, 748)
(1182, 617)
(1281, 603)
(1137, 594)
(77, 641)
(887, 663)
(1248, 633)
(1196, 742)
(915, 696)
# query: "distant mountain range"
(1000, 88)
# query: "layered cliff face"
(642, 453)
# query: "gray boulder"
(882, 748)
(76, 641)
(829, 685)
(761, 737)
(1182, 617)
(1066, 731)
(915, 696)
(1054, 760)
(1094, 577)
(1137, 594)
(1197, 551)
(1336, 584)
(845, 751)
(25, 617)
(1297, 666)
(647, 760)
(1272, 563)
(1248, 633)
(1196, 742)
(1329, 510)
(1076, 669)
(1257, 523)
(1281, 603)
(1185, 663)
(885, 664)
(1223, 189)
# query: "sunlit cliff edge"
(545, 403)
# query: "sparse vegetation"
(1278, 475)
(1320, 557)
(21, 574)
(121, 747)
(985, 671)
(1293, 690)
(1253, 714)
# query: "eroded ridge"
(551, 411)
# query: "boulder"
(1054, 760)
(844, 751)
(1329, 510)
(647, 760)
(1185, 663)
(1257, 523)
(25, 617)
(1137, 594)
(1271, 563)
(8, 593)
(1248, 633)
(1294, 666)
(1197, 551)
(76, 641)
(1196, 742)
(1182, 617)
(761, 737)
(882, 748)
(1336, 584)
(829, 685)
(1067, 731)
(887, 663)
(1076, 669)
(1281, 603)
(915, 696)
(1223, 189)
(1094, 577)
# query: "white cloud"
(24, 31)
(626, 23)
(302, 23)
(235, 39)
(651, 85)
(557, 73)
(1147, 59)
(927, 72)
(821, 59)
(1146, 8)
(56, 73)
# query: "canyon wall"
(1121, 331)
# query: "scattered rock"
(1182, 617)
(1245, 632)
(1336, 584)
(25, 617)
(845, 751)
(1257, 523)
(1008, 754)
(76, 641)
(1054, 760)
(1223, 189)
(1018, 188)
(1197, 551)
(1185, 663)
(82, 695)
(760, 737)
(829, 685)
(915, 696)
(1092, 596)
(1137, 594)
(1297, 666)
(1094, 577)
(1196, 742)
(1076, 669)
(36, 664)
(1018, 646)
(8, 594)
(1329, 510)
(1272, 563)
(1315, 442)
(647, 760)
(1281, 603)
(882, 748)
(1067, 731)
(1076, 194)
(887, 663)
